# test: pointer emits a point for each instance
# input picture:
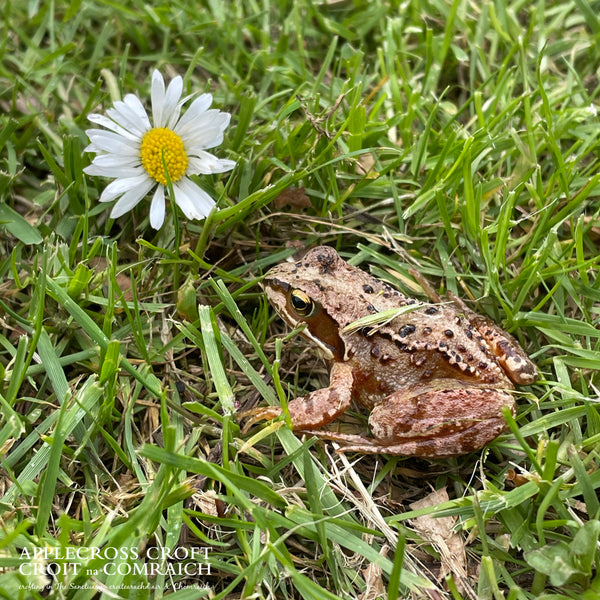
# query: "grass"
(459, 139)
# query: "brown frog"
(434, 376)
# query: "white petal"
(112, 125)
(157, 208)
(206, 131)
(196, 109)
(165, 106)
(204, 163)
(120, 186)
(109, 141)
(115, 161)
(136, 107)
(193, 201)
(123, 113)
(100, 171)
(157, 95)
(130, 199)
(172, 106)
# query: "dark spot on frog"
(406, 330)
(394, 294)
(368, 331)
(327, 261)
(442, 345)
(432, 310)
(367, 289)
(375, 351)
(461, 348)
(426, 330)
(371, 309)
(283, 285)
(449, 333)
(483, 365)
(469, 333)
(507, 348)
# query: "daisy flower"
(142, 155)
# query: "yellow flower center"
(162, 152)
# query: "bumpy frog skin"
(435, 378)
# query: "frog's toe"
(258, 414)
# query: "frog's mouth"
(321, 328)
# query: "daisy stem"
(176, 229)
(177, 239)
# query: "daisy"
(141, 155)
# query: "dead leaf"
(294, 198)
(516, 478)
(207, 502)
(365, 164)
(100, 265)
(372, 574)
(440, 533)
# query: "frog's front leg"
(438, 421)
(315, 409)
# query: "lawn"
(454, 143)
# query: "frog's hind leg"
(440, 420)
(455, 444)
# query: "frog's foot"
(258, 414)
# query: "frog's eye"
(302, 303)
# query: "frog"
(434, 376)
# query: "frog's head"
(322, 291)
